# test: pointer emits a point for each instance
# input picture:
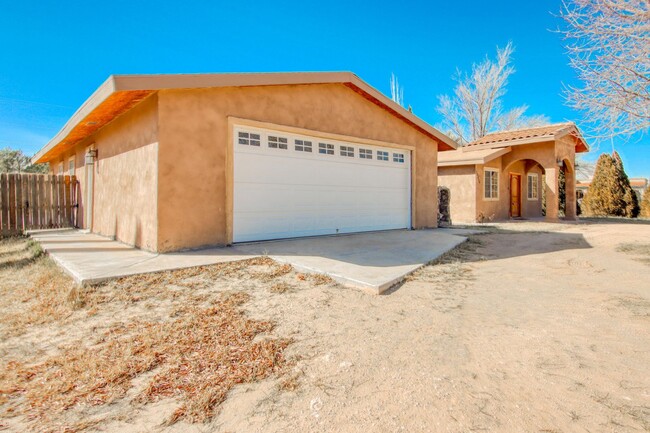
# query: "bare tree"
(584, 169)
(476, 106)
(608, 43)
(396, 91)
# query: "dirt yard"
(531, 327)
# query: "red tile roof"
(541, 132)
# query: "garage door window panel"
(276, 142)
(303, 146)
(365, 153)
(326, 148)
(347, 151)
(249, 138)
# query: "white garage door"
(288, 185)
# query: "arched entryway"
(566, 190)
(525, 187)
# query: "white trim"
(528, 177)
(493, 170)
(74, 165)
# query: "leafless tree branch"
(608, 43)
(476, 108)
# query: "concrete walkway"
(91, 259)
(372, 261)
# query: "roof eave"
(106, 89)
(581, 144)
(475, 161)
(146, 84)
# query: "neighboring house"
(638, 184)
(506, 174)
(171, 162)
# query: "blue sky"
(55, 54)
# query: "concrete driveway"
(371, 261)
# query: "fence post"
(68, 201)
(61, 201)
(25, 183)
(48, 201)
(19, 203)
(41, 201)
(4, 204)
(12, 202)
(33, 202)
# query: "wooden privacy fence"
(36, 201)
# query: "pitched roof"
(119, 93)
(532, 135)
(464, 156)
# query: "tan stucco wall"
(565, 151)
(530, 158)
(532, 208)
(125, 199)
(193, 139)
(491, 209)
(125, 177)
(500, 209)
(461, 181)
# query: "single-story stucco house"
(505, 174)
(173, 162)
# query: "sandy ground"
(536, 332)
(535, 328)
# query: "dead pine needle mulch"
(200, 355)
(196, 349)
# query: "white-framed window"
(398, 157)
(276, 142)
(326, 148)
(382, 155)
(347, 151)
(248, 138)
(491, 184)
(60, 168)
(533, 186)
(365, 153)
(303, 145)
(71, 166)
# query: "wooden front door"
(515, 195)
